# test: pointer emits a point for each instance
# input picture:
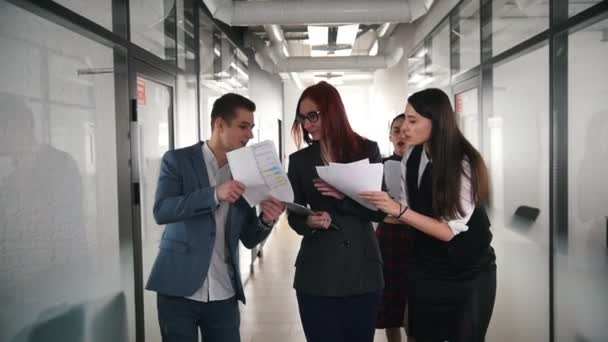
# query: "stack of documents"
(353, 178)
(258, 167)
(392, 178)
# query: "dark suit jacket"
(334, 263)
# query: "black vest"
(466, 254)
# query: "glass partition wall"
(527, 79)
(92, 94)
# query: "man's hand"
(272, 208)
(320, 220)
(230, 191)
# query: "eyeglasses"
(310, 116)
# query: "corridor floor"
(271, 313)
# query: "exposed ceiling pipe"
(299, 64)
(262, 53)
(277, 41)
(386, 29)
(253, 13)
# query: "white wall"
(291, 94)
(358, 102)
(389, 93)
(267, 93)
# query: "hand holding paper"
(303, 211)
(230, 191)
(353, 178)
(259, 169)
(320, 220)
(327, 190)
(271, 209)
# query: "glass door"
(151, 136)
(466, 106)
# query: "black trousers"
(454, 311)
(180, 320)
(339, 319)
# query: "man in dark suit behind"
(196, 273)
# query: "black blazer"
(330, 262)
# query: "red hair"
(345, 144)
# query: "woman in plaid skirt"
(393, 241)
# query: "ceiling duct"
(279, 12)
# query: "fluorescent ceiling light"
(317, 35)
(347, 34)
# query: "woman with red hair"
(338, 278)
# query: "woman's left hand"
(327, 190)
(382, 201)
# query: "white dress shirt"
(467, 204)
(219, 282)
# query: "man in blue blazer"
(196, 273)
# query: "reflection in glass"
(440, 59)
(577, 6)
(467, 111)
(465, 54)
(99, 11)
(581, 273)
(418, 76)
(210, 56)
(224, 69)
(185, 122)
(153, 133)
(60, 273)
(153, 26)
(518, 145)
(515, 21)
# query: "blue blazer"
(185, 202)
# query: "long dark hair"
(448, 148)
(344, 143)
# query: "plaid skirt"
(395, 246)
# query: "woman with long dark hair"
(453, 273)
(338, 276)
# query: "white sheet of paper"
(258, 167)
(358, 162)
(392, 178)
(354, 178)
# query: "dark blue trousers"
(180, 320)
(339, 319)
